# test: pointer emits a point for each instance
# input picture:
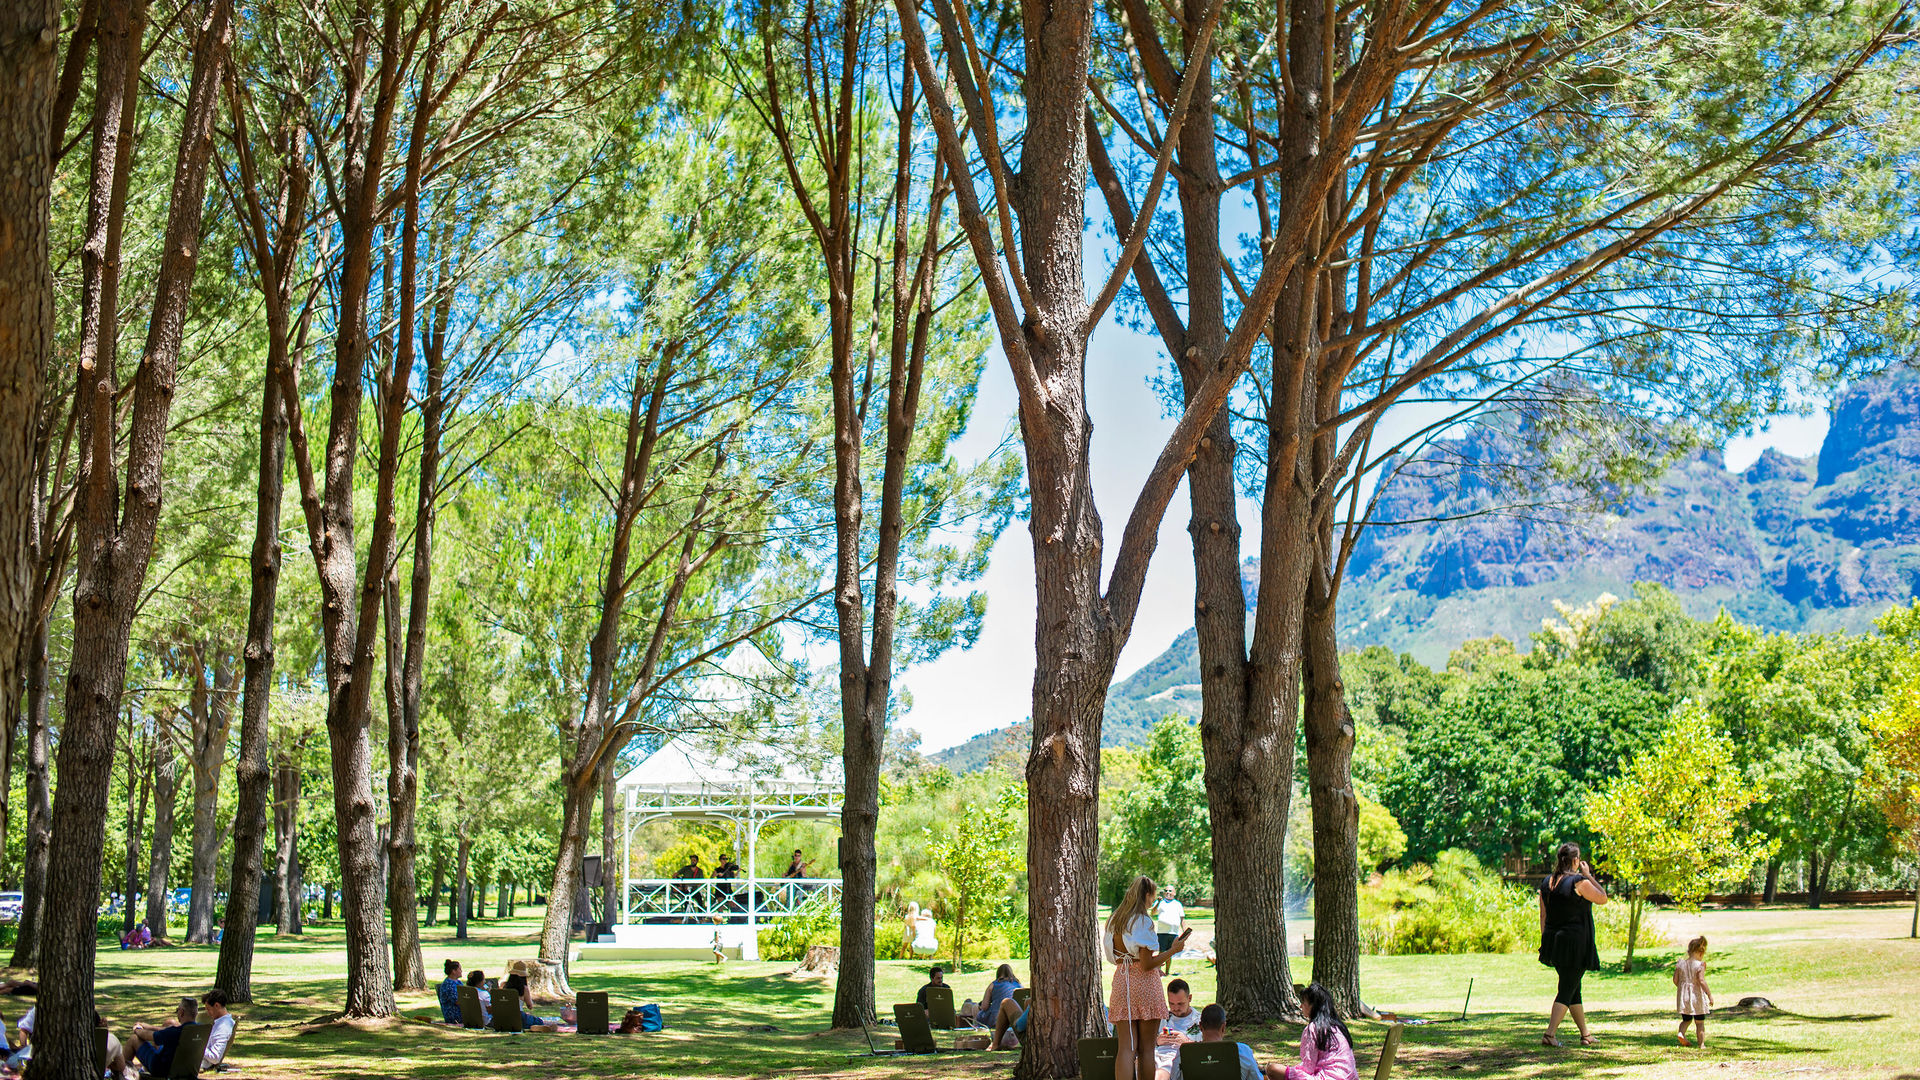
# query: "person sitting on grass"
(448, 991)
(936, 976)
(18, 1056)
(153, 1047)
(1176, 1030)
(999, 990)
(1213, 1029)
(478, 980)
(1009, 1023)
(518, 982)
(1326, 1048)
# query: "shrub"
(889, 939)
(789, 936)
(1610, 928)
(1452, 906)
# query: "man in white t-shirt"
(1168, 916)
(222, 1023)
(1177, 1029)
(1213, 1029)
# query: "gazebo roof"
(688, 778)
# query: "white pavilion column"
(626, 856)
(750, 949)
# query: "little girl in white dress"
(1691, 998)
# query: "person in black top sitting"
(935, 977)
(1566, 937)
(730, 897)
(797, 867)
(154, 1047)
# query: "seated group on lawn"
(151, 1049)
(448, 993)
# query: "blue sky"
(990, 685)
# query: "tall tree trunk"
(1772, 889)
(439, 883)
(166, 787)
(1336, 809)
(503, 896)
(213, 721)
(609, 847)
(462, 888)
(29, 32)
(286, 832)
(139, 783)
(114, 542)
(33, 877)
(252, 776)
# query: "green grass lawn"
(1847, 984)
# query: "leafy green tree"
(1160, 826)
(978, 854)
(1672, 822)
(1649, 638)
(1503, 763)
(1893, 771)
(1795, 707)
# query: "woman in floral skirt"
(1139, 1002)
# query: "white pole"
(750, 950)
(626, 855)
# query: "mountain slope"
(1820, 543)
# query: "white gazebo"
(744, 786)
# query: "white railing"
(724, 801)
(719, 899)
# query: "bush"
(1610, 928)
(1453, 906)
(789, 936)
(889, 939)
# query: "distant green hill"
(1818, 543)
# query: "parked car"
(11, 904)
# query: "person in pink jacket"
(1326, 1049)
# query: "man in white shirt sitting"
(222, 1022)
(1213, 1029)
(1168, 916)
(1176, 1030)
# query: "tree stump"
(821, 960)
(546, 981)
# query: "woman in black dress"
(1566, 936)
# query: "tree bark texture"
(213, 719)
(166, 789)
(463, 887)
(29, 32)
(252, 776)
(114, 541)
(139, 786)
(609, 850)
(286, 832)
(33, 875)
(1336, 808)
(349, 623)
(439, 883)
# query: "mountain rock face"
(1819, 543)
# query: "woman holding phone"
(1567, 898)
(1139, 1002)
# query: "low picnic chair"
(1097, 1057)
(940, 1011)
(101, 1036)
(590, 1012)
(506, 1012)
(188, 1052)
(916, 1035)
(1388, 1051)
(471, 1014)
(1210, 1061)
(1024, 996)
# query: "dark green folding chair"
(1097, 1057)
(1024, 996)
(471, 1014)
(188, 1052)
(506, 1011)
(940, 1012)
(1210, 1061)
(100, 1037)
(916, 1034)
(590, 1012)
(1388, 1051)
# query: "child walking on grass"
(1692, 998)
